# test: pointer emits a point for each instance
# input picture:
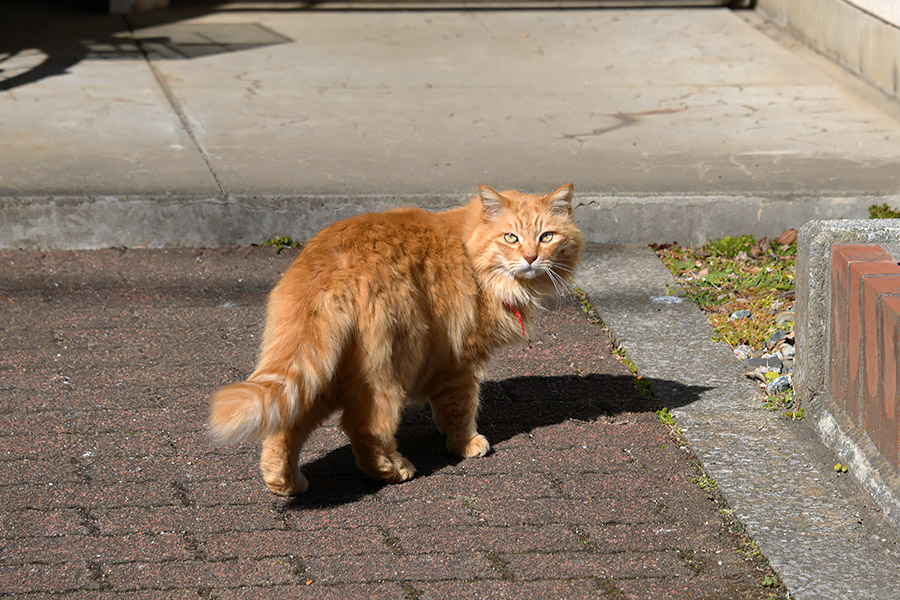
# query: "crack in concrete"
(176, 107)
(622, 120)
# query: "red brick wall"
(864, 342)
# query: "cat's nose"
(530, 259)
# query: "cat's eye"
(546, 237)
(510, 238)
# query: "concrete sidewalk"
(220, 124)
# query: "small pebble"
(739, 314)
(775, 338)
(771, 363)
(780, 384)
(743, 351)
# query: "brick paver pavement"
(109, 487)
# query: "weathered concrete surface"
(184, 126)
(817, 527)
(862, 35)
(84, 116)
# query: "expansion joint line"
(176, 106)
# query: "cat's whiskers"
(563, 287)
(562, 268)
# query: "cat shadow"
(509, 408)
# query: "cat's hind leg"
(454, 404)
(279, 460)
(370, 419)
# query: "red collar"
(516, 312)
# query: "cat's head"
(528, 241)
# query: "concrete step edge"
(71, 222)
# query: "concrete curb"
(852, 445)
(95, 222)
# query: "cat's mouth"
(529, 272)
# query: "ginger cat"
(385, 308)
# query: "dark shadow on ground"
(46, 38)
(509, 408)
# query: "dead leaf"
(786, 237)
(759, 374)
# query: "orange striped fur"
(384, 308)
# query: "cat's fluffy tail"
(294, 370)
(253, 409)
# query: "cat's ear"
(560, 200)
(492, 203)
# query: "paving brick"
(699, 587)
(514, 455)
(367, 513)
(517, 512)
(96, 548)
(617, 432)
(314, 589)
(572, 565)
(842, 294)
(42, 523)
(82, 446)
(877, 421)
(314, 543)
(16, 472)
(633, 537)
(518, 590)
(74, 575)
(610, 485)
(52, 495)
(203, 574)
(388, 567)
(185, 594)
(464, 486)
(175, 517)
(485, 539)
(856, 335)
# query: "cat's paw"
(282, 486)
(405, 469)
(477, 446)
(391, 470)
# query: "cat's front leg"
(454, 404)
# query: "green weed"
(587, 307)
(665, 417)
(704, 482)
(741, 273)
(281, 242)
(883, 212)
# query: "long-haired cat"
(385, 308)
